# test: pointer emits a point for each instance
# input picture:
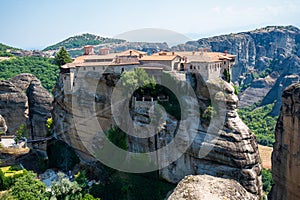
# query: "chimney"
(104, 51)
(130, 53)
(225, 52)
(88, 50)
(193, 52)
(173, 53)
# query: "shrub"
(267, 180)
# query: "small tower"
(88, 50)
(104, 51)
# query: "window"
(93, 68)
(191, 66)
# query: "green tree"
(62, 57)
(49, 125)
(118, 137)
(28, 187)
(65, 189)
(81, 179)
(137, 79)
(267, 180)
(89, 197)
(21, 132)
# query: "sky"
(35, 24)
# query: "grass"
(8, 171)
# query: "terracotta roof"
(159, 57)
(200, 56)
(134, 52)
(80, 59)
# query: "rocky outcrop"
(13, 106)
(234, 152)
(40, 106)
(64, 107)
(3, 126)
(24, 101)
(286, 153)
(259, 53)
(203, 187)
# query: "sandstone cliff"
(234, 154)
(3, 126)
(13, 106)
(286, 153)
(203, 187)
(24, 101)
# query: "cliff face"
(234, 154)
(261, 52)
(203, 187)
(24, 101)
(13, 106)
(286, 153)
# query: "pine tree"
(62, 57)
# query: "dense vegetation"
(122, 186)
(117, 137)
(267, 180)
(61, 156)
(4, 48)
(62, 57)
(260, 122)
(42, 68)
(139, 84)
(26, 186)
(79, 41)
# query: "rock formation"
(234, 154)
(203, 187)
(259, 53)
(13, 106)
(3, 126)
(24, 101)
(286, 153)
(40, 106)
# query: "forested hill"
(5, 50)
(14, 61)
(42, 68)
(82, 40)
(75, 44)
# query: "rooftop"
(159, 57)
(131, 57)
(199, 55)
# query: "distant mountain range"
(267, 61)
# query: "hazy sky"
(39, 23)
